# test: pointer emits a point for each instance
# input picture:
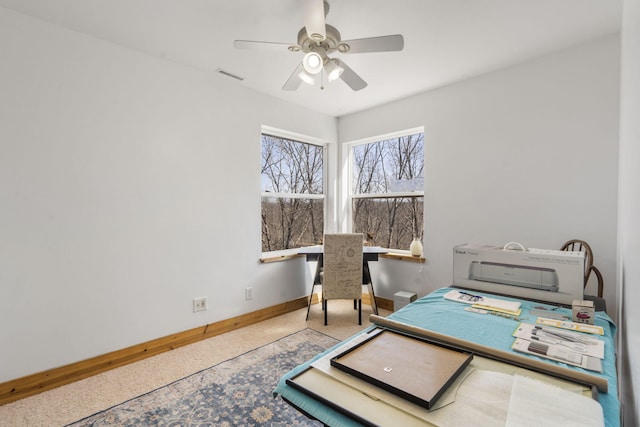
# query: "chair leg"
(372, 296)
(325, 311)
(359, 312)
(310, 299)
(355, 304)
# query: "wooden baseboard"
(383, 303)
(29, 385)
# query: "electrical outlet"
(248, 294)
(199, 304)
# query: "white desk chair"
(342, 272)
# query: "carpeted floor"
(76, 401)
(234, 392)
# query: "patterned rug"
(237, 392)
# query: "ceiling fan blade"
(294, 81)
(314, 20)
(374, 44)
(250, 44)
(350, 77)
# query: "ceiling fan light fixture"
(333, 70)
(306, 77)
(312, 63)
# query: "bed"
(435, 313)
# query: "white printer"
(539, 274)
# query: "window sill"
(280, 256)
(403, 256)
(286, 255)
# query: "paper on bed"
(508, 306)
(534, 403)
(587, 362)
(593, 347)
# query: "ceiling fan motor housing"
(330, 44)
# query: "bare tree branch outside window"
(292, 187)
(388, 190)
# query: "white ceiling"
(445, 40)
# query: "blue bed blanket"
(435, 313)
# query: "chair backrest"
(582, 246)
(342, 266)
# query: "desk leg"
(316, 281)
(367, 281)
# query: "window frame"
(304, 139)
(350, 174)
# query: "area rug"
(237, 392)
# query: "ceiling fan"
(317, 40)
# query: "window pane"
(390, 222)
(291, 166)
(386, 174)
(389, 166)
(291, 223)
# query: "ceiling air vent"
(228, 74)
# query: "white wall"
(128, 185)
(525, 154)
(629, 230)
